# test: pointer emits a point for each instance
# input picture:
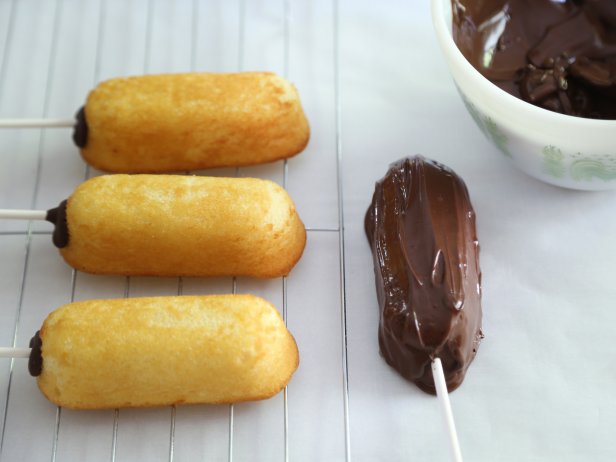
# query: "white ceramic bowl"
(567, 151)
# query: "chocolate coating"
(421, 227)
(57, 216)
(80, 133)
(35, 362)
(559, 55)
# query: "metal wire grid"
(29, 232)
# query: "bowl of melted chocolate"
(539, 79)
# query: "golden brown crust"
(173, 122)
(160, 351)
(173, 225)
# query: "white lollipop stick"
(37, 123)
(23, 214)
(14, 352)
(443, 398)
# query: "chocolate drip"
(421, 227)
(80, 133)
(57, 216)
(557, 55)
(35, 362)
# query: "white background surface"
(541, 387)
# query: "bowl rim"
(539, 114)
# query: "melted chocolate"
(80, 133)
(559, 55)
(421, 227)
(35, 362)
(57, 216)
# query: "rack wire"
(30, 231)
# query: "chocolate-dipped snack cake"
(421, 228)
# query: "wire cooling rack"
(77, 44)
(375, 89)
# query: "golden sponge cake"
(159, 351)
(174, 122)
(176, 225)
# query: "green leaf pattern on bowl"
(555, 163)
(488, 127)
(581, 168)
